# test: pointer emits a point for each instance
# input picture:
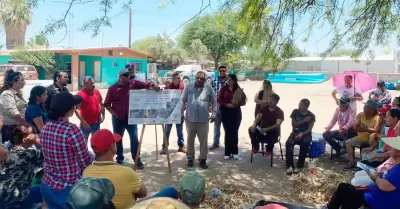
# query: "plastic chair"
(263, 151)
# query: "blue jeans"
(93, 128)
(119, 127)
(179, 131)
(217, 127)
(55, 199)
(170, 192)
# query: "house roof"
(84, 51)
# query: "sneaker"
(289, 171)
(236, 157)
(349, 167)
(214, 146)
(162, 151)
(182, 149)
(140, 165)
(203, 164)
(227, 157)
(190, 163)
(297, 170)
(267, 154)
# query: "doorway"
(96, 71)
(82, 72)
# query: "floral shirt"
(16, 175)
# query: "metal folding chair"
(272, 153)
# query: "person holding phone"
(383, 193)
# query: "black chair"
(263, 143)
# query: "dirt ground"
(258, 179)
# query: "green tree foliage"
(339, 52)
(163, 48)
(38, 41)
(219, 33)
(290, 50)
(197, 50)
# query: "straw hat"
(393, 142)
(160, 203)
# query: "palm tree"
(15, 15)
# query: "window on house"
(68, 70)
(114, 64)
(138, 66)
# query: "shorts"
(356, 142)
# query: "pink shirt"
(345, 120)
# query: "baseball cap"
(123, 71)
(192, 187)
(160, 202)
(89, 193)
(344, 100)
(64, 101)
(385, 108)
(102, 139)
(271, 206)
(130, 65)
(393, 142)
(372, 103)
(380, 83)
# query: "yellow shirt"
(364, 123)
(126, 181)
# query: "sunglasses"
(202, 79)
(126, 74)
(222, 71)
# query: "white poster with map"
(151, 107)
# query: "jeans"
(217, 127)
(93, 128)
(179, 132)
(170, 192)
(347, 197)
(270, 139)
(332, 136)
(231, 119)
(304, 143)
(55, 199)
(119, 127)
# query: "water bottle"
(215, 192)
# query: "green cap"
(192, 187)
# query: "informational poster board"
(151, 107)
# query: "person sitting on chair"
(345, 117)
(302, 122)
(381, 95)
(269, 119)
(367, 122)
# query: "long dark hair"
(56, 115)
(236, 85)
(10, 77)
(36, 91)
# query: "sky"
(148, 20)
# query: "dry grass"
(319, 187)
(233, 197)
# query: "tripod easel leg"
(155, 129)
(139, 147)
(166, 150)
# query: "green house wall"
(5, 58)
(110, 73)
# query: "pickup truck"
(188, 73)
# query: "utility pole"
(130, 28)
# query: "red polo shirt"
(117, 98)
(90, 106)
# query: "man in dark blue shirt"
(302, 122)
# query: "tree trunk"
(216, 62)
(15, 35)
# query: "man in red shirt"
(91, 108)
(175, 84)
(117, 103)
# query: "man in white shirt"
(349, 91)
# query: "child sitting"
(18, 170)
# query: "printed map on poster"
(150, 107)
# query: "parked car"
(187, 73)
(28, 71)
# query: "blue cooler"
(318, 146)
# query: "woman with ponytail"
(35, 113)
(12, 103)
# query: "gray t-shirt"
(197, 101)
